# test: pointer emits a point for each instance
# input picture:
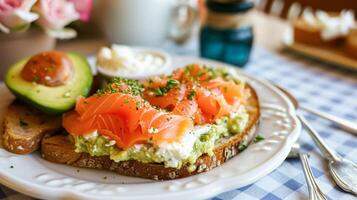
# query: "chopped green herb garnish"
(212, 73)
(191, 94)
(204, 73)
(205, 137)
(23, 123)
(258, 138)
(225, 74)
(188, 69)
(172, 83)
(242, 147)
(200, 73)
(159, 92)
(138, 104)
(126, 101)
(122, 85)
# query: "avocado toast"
(61, 149)
(165, 127)
(173, 126)
(46, 85)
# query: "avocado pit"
(52, 68)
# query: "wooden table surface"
(268, 32)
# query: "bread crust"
(60, 149)
(305, 34)
(351, 44)
(24, 127)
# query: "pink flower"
(15, 15)
(84, 8)
(55, 14)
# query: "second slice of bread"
(24, 127)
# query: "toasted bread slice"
(60, 149)
(24, 127)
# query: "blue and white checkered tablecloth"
(316, 85)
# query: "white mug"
(144, 22)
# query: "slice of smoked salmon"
(212, 105)
(212, 97)
(233, 93)
(186, 107)
(72, 117)
(194, 72)
(125, 119)
(168, 100)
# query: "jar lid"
(229, 6)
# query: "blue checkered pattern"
(318, 86)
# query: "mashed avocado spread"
(201, 140)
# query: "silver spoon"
(315, 192)
(342, 170)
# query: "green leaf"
(258, 138)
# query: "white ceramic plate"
(334, 56)
(36, 177)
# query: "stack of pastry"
(327, 30)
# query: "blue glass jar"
(227, 34)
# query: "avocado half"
(51, 100)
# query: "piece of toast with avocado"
(46, 85)
(62, 149)
(167, 127)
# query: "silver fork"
(315, 192)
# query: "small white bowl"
(140, 75)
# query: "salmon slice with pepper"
(198, 93)
(125, 118)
